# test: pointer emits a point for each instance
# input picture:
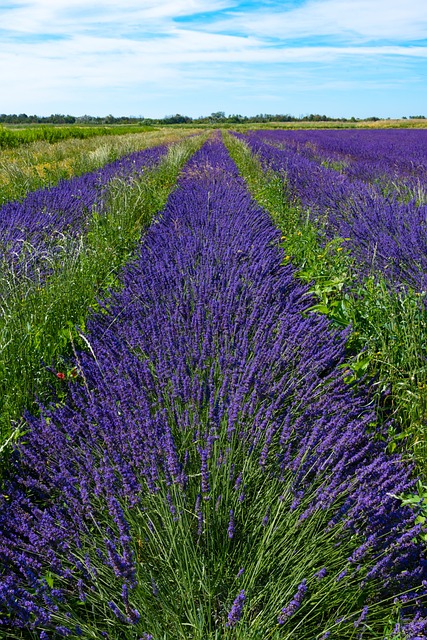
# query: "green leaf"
(49, 579)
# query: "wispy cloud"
(165, 56)
(348, 20)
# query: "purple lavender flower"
(238, 482)
(236, 610)
(231, 529)
(119, 615)
(362, 617)
(205, 471)
(266, 518)
(321, 573)
(294, 604)
(63, 631)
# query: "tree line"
(217, 117)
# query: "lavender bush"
(210, 474)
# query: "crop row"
(210, 473)
(48, 287)
(388, 319)
(384, 234)
(15, 138)
(32, 231)
(395, 160)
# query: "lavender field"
(217, 454)
(34, 230)
(369, 187)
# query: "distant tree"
(217, 116)
(177, 119)
(235, 118)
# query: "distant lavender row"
(36, 224)
(385, 235)
(395, 160)
(206, 348)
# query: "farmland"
(40, 163)
(213, 390)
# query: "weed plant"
(38, 321)
(388, 343)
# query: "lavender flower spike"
(294, 604)
(236, 610)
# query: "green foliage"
(15, 138)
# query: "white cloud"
(361, 19)
(67, 16)
(138, 45)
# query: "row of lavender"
(30, 230)
(212, 459)
(384, 234)
(393, 160)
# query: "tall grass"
(41, 164)
(38, 324)
(388, 343)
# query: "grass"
(388, 342)
(41, 164)
(38, 324)
(10, 138)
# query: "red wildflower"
(60, 375)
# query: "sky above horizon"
(154, 58)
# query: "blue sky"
(159, 57)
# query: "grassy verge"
(38, 324)
(42, 164)
(388, 343)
